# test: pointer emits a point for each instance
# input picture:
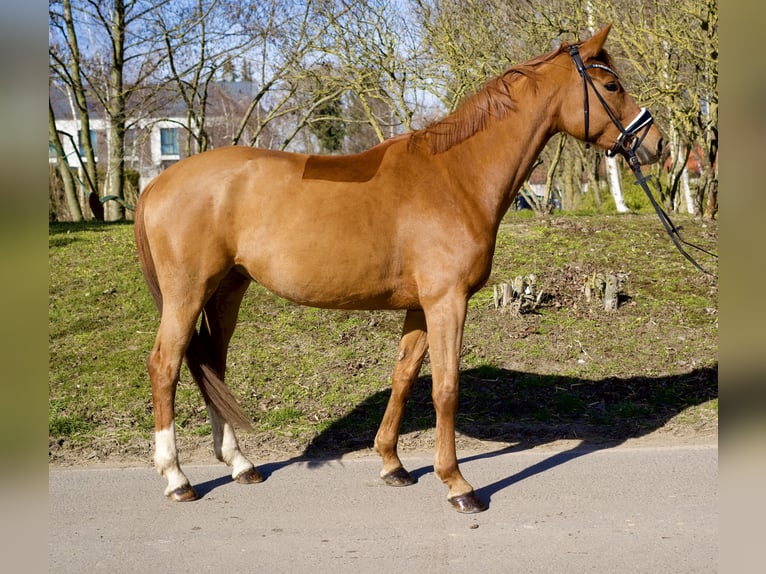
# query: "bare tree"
(374, 52)
(66, 64)
(201, 42)
(325, 64)
(115, 46)
(62, 166)
(280, 61)
(466, 42)
(670, 52)
(359, 71)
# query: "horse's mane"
(492, 102)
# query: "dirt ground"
(199, 450)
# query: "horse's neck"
(494, 163)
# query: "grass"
(316, 381)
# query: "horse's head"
(596, 108)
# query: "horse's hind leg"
(217, 328)
(164, 363)
(227, 450)
(412, 349)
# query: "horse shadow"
(525, 411)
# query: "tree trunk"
(116, 110)
(594, 183)
(115, 209)
(615, 185)
(678, 177)
(547, 208)
(62, 165)
(687, 192)
(572, 181)
(78, 90)
(711, 205)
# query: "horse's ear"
(591, 47)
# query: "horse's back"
(213, 172)
(264, 176)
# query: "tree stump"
(595, 287)
(603, 287)
(611, 293)
(520, 294)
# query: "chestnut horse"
(410, 224)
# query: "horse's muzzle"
(647, 155)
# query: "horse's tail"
(197, 355)
(144, 253)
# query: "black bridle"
(630, 139)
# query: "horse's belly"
(337, 276)
(335, 291)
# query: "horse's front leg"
(412, 349)
(445, 336)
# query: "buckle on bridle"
(632, 136)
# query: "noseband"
(630, 139)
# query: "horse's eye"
(612, 86)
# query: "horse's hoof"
(183, 493)
(468, 503)
(398, 477)
(249, 476)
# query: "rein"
(630, 139)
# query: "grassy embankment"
(316, 381)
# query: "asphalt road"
(614, 510)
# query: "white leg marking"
(226, 445)
(166, 458)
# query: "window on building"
(169, 141)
